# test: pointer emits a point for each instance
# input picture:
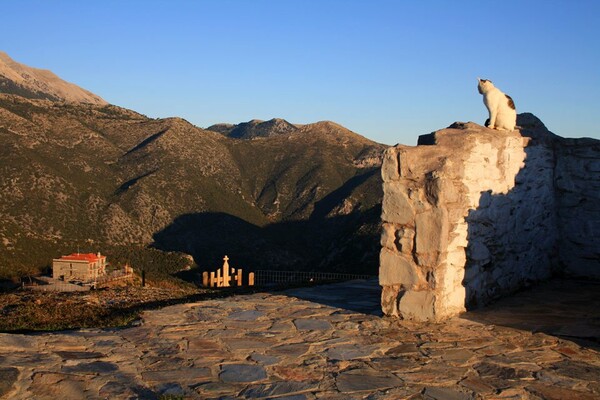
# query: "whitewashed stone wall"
(473, 217)
(578, 194)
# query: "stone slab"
(312, 324)
(8, 377)
(94, 367)
(361, 380)
(242, 373)
(192, 375)
(278, 389)
(506, 350)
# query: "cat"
(501, 107)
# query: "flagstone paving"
(322, 342)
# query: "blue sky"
(389, 70)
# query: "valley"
(104, 178)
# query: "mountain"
(103, 178)
(255, 128)
(78, 173)
(33, 83)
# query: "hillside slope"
(100, 177)
(34, 83)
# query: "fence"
(57, 287)
(276, 278)
(48, 284)
(118, 275)
(227, 276)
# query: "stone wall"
(578, 197)
(472, 214)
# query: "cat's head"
(484, 85)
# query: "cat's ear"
(478, 79)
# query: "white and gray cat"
(501, 107)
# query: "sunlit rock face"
(471, 214)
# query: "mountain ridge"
(77, 172)
(35, 83)
(105, 177)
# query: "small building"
(85, 267)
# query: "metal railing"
(277, 278)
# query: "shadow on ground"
(563, 308)
(362, 296)
(347, 243)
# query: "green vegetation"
(8, 86)
(146, 192)
(36, 258)
(159, 266)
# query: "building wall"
(70, 269)
(477, 214)
(78, 269)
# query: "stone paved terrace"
(324, 342)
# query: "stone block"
(444, 393)
(405, 238)
(450, 290)
(397, 269)
(312, 324)
(457, 239)
(396, 206)
(389, 168)
(440, 189)
(397, 239)
(388, 236)
(450, 192)
(389, 299)
(365, 380)
(418, 199)
(242, 373)
(457, 258)
(471, 273)
(404, 162)
(478, 252)
(431, 230)
(417, 305)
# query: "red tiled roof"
(89, 257)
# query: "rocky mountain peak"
(255, 128)
(34, 83)
(76, 171)
(222, 128)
